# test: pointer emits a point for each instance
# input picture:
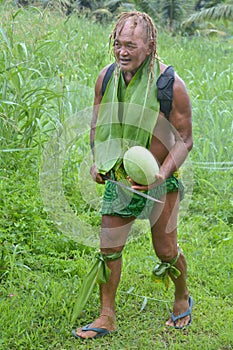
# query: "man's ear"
(150, 47)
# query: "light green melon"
(140, 165)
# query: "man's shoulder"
(166, 69)
(100, 79)
(104, 71)
(178, 81)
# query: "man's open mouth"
(124, 60)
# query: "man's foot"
(182, 313)
(104, 322)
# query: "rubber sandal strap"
(184, 314)
(97, 330)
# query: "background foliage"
(49, 63)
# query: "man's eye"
(130, 46)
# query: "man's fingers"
(95, 175)
(99, 179)
(158, 180)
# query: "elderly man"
(135, 116)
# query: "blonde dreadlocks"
(149, 28)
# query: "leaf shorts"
(119, 201)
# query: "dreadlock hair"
(149, 29)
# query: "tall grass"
(44, 79)
(48, 68)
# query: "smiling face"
(131, 46)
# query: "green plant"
(48, 67)
(213, 13)
(171, 13)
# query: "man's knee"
(111, 250)
(167, 253)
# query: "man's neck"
(128, 76)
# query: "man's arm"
(97, 100)
(181, 120)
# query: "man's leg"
(164, 237)
(113, 237)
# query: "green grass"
(48, 67)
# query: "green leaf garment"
(99, 273)
(127, 116)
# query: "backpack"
(164, 84)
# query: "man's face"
(130, 47)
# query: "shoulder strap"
(107, 76)
(165, 84)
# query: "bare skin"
(170, 150)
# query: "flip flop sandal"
(184, 314)
(100, 332)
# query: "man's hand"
(95, 175)
(159, 178)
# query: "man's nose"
(123, 51)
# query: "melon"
(140, 165)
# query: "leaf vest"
(127, 116)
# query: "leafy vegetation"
(204, 21)
(176, 16)
(213, 13)
(48, 67)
